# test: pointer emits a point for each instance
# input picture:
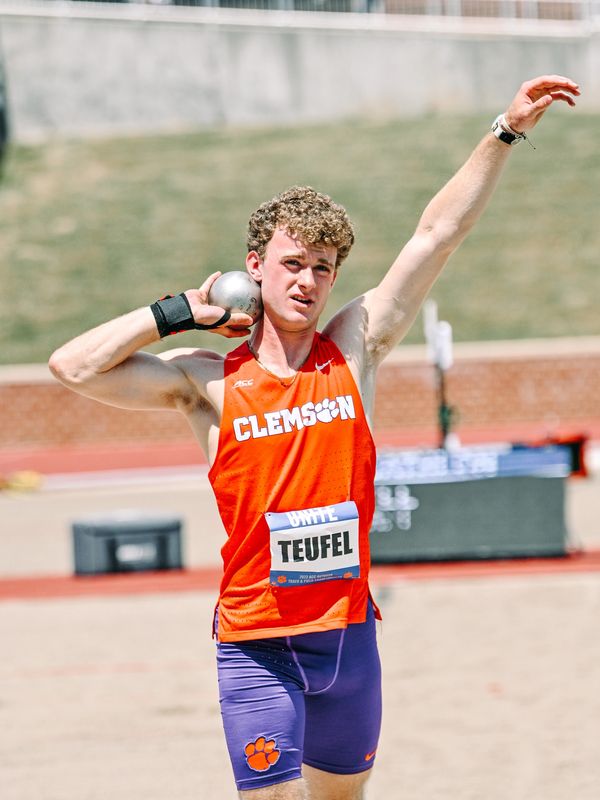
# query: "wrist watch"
(502, 130)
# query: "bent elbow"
(63, 369)
(56, 365)
(445, 237)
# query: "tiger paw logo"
(261, 754)
(327, 411)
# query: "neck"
(282, 352)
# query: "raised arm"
(105, 363)
(389, 310)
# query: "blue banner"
(467, 464)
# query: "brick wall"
(43, 413)
(549, 385)
(553, 383)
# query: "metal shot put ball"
(237, 291)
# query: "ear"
(254, 265)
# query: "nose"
(306, 279)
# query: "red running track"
(207, 579)
(96, 456)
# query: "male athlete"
(284, 420)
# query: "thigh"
(262, 706)
(343, 721)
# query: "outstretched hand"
(535, 97)
(236, 326)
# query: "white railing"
(560, 10)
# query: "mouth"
(303, 301)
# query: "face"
(296, 280)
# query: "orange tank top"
(295, 466)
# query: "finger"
(236, 325)
(231, 333)
(205, 288)
(543, 103)
(236, 333)
(546, 82)
(563, 96)
(216, 312)
(554, 89)
(240, 319)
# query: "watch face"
(500, 133)
(504, 136)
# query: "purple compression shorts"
(314, 698)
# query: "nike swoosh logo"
(370, 756)
(322, 366)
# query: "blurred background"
(135, 140)
(138, 137)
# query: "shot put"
(237, 291)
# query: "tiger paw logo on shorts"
(261, 754)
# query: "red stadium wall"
(511, 391)
(521, 388)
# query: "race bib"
(314, 544)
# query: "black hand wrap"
(174, 314)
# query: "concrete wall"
(149, 68)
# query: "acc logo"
(261, 754)
(239, 384)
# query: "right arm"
(106, 364)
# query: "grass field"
(89, 230)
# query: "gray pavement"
(492, 690)
(492, 687)
(35, 527)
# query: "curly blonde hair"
(310, 215)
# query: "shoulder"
(200, 366)
(348, 329)
(190, 354)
